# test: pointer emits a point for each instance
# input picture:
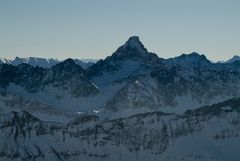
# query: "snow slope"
(207, 133)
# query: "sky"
(96, 28)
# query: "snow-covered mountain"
(4, 60)
(44, 62)
(62, 85)
(130, 81)
(132, 105)
(234, 58)
(207, 133)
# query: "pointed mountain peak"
(135, 43)
(69, 61)
(132, 49)
(68, 65)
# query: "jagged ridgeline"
(132, 105)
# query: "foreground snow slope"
(207, 133)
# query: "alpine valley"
(130, 106)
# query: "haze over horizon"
(93, 29)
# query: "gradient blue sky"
(95, 28)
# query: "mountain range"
(44, 62)
(132, 105)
